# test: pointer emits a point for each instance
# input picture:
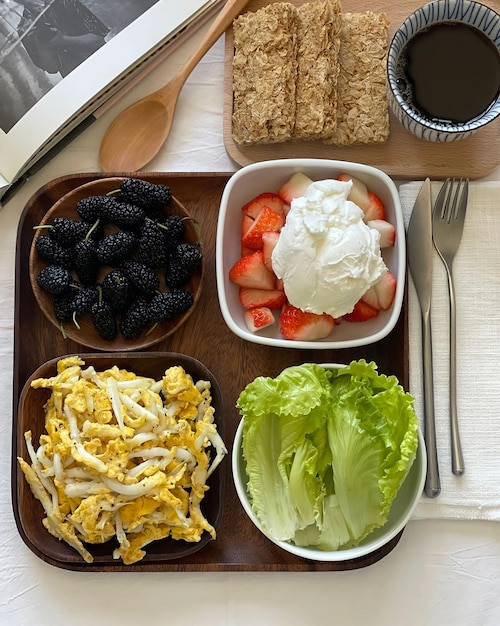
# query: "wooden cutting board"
(403, 156)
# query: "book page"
(63, 98)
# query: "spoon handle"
(221, 23)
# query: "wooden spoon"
(138, 132)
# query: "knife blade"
(420, 261)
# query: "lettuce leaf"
(326, 451)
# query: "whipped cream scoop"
(326, 255)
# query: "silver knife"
(420, 260)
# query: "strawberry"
(294, 187)
(269, 241)
(300, 325)
(246, 223)
(386, 230)
(270, 298)
(267, 220)
(258, 318)
(376, 209)
(362, 311)
(381, 295)
(368, 201)
(250, 271)
(358, 193)
(269, 199)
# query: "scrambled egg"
(123, 456)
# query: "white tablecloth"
(441, 572)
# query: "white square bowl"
(269, 176)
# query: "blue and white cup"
(422, 126)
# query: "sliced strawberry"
(386, 230)
(250, 271)
(358, 193)
(362, 311)
(294, 187)
(269, 199)
(381, 295)
(246, 224)
(270, 298)
(258, 318)
(269, 241)
(299, 325)
(267, 220)
(376, 208)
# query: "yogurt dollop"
(326, 254)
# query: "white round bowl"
(401, 511)
(268, 176)
(459, 11)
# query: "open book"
(62, 62)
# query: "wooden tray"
(234, 363)
(403, 156)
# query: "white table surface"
(441, 572)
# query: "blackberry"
(142, 277)
(65, 231)
(84, 299)
(114, 248)
(91, 208)
(64, 303)
(104, 320)
(182, 264)
(148, 196)
(123, 214)
(176, 275)
(85, 261)
(54, 279)
(135, 319)
(188, 254)
(168, 304)
(174, 226)
(153, 244)
(52, 252)
(116, 290)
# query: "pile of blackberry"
(131, 240)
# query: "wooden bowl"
(87, 335)
(31, 416)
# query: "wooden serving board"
(205, 336)
(403, 156)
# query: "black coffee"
(450, 72)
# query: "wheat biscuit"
(264, 74)
(318, 42)
(362, 107)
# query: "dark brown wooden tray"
(234, 362)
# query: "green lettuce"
(326, 451)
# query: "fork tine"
(462, 203)
(453, 197)
(440, 204)
(453, 206)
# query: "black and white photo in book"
(42, 41)
(63, 62)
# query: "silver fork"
(448, 219)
